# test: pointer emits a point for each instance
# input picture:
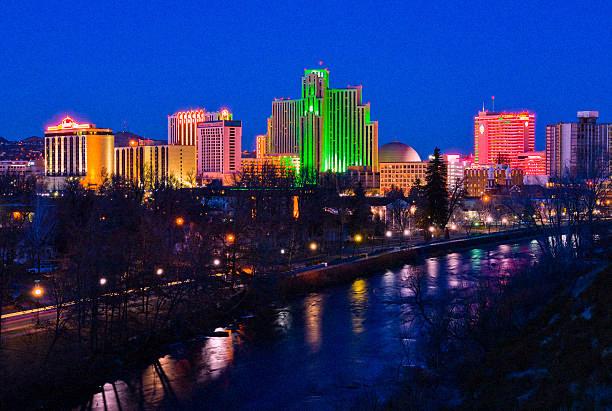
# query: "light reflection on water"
(322, 351)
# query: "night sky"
(425, 67)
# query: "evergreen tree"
(435, 191)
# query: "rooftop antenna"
(483, 109)
(493, 102)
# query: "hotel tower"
(329, 128)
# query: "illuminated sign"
(69, 124)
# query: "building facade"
(533, 163)
(154, 165)
(455, 169)
(182, 125)
(482, 179)
(329, 128)
(499, 138)
(579, 150)
(82, 151)
(219, 148)
(400, 167)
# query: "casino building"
(78, 150)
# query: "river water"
(332, 349)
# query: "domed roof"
(397, 153)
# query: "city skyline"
(439, 68)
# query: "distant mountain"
(3, 140)
(33, 139)
(123, 138)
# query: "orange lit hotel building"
(82, 151)
(499, 138)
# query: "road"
(23, 322)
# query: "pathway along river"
(326, 350)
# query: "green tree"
(435, 191)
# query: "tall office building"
(579, 150)
(182, 125)
(77, 150)
(499, 138)
(329, 128)
(219, 149)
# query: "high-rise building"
(329, 128)
(400, 167)
(77, 150)
(499, 138)
(579, 150)
(219, 149)
(182, 125)
(152, 165)
(455, 168)
(284, 125)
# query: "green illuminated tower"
(334, 128)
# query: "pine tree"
(435, 191)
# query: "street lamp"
(159, 271)
(282, 251)
(388, 234)
(406, 233)
(38, 293)
(230, 238)
(216, 262)
(179, 221)
(358, 238)
(313, 246)
(103, 281)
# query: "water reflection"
(359, 304)
(313, 312)
(362, 355)
(217, 354)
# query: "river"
(326, 350)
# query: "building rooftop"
(397, 152)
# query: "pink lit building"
(219, 150)
(533, 163)
(499, 138)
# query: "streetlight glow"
(313, 246)
(216, 262)
(179, 221)
(406, 232)
(230, 238)
(388, 234)
(432, 229)
(38, 291)
(159, 271)
(282, 251)
(102, 281)
(358, 238)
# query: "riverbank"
(542, 342)
(32, 379)
(320, 277)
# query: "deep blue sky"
(425, 66)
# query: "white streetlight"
(216, 261)
(102, 281)
(388, 234)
